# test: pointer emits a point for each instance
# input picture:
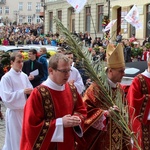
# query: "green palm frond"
(96, 72)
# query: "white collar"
(53, 85)
(14, 71)
(112, 85)
(146, 73)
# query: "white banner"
(133, 17)
(77, 4)
(110, 24)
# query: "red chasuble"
(112, 137)
(40, 117)
(139, 106)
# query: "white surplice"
(78, 82)
(12, 93)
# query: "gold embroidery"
(115, 136)
(145, 128)
(49, 115)
(146, 142)
(38, 145)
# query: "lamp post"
(16, 13)
(42, 14)
(108, 9)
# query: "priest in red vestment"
(139, 106)
(54, 113)
(101, 132)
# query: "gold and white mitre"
(115, 56)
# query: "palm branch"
(96, 72)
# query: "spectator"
(148, 39)
(119, 38)
(5, 42)
(43, 59)
(97, 42)
(54, 41)
(127, 51)
(88, 40)
(102, 53)
(54, 113)
(145, 41)
(15, 86)
(145, 54)
(33, 68)
(132, 39)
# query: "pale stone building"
(120, 8)
(20, 11)
(91, 17)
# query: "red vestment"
(139, 106)
(38, 129)
(112, 138)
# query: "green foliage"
(96, 48)
(5, 58)
(136, 52)
(147, 45)
(96, 71)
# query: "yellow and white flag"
(77, 4)
(109, 26)
(133, 17)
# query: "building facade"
(20, 11)
(91, 18)
(120, 8)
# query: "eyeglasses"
(64, 71)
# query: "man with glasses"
(54, 113)
(101, 132)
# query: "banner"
(77, 4)
(133, 18)
(109, 26)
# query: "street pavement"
(2, 126)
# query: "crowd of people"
(47, 102)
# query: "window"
(6, 10)
(100, 18)
(20, 19)
(1, 10)
(2, 1)
(29, 6)
(148, 21)
(38, 7)
(20, 6)
(38, 19)
(60, 15)
(51, 21)
(88, 19)
(29, 19)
